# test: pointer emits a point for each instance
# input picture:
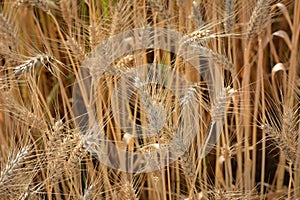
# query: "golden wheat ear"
(36, 63)
(44, 5)
(18, 173)
(8, 31)
(259, 18)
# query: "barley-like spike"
(128, 192)
(54, 136)
(196, 15)
(156, 115)
(258, 18)
(75, 157)
(188, 167)
(13, 164)
(159, 8)
(219, 106)
(115, 25)
(66, 12)
(220, 194)
(93, 35)
(14, 172)
(34, 62)
(45, 5)
(218, 58)
(229, 15)
(7, 30)
(76, 48)
(284, 133)
(197, 36)
(289, 136)
(192, 95)
(125, 62)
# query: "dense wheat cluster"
(253, 50)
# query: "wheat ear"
(66, 12)
(7, 30)
(196, 15)
(34, 62)
(41, 4)
(229, 15)
(159, 8)
(14, 176)
(128, 192)
(258, 18)
(76, 48)
(75, 156)
(284, 133)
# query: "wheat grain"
(193, 96)
(12, 107)
(54, 136)
(89, 193)
(154, 110)
(25, 196)
(13, 164)
(198, 38)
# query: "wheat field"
(232, 116)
